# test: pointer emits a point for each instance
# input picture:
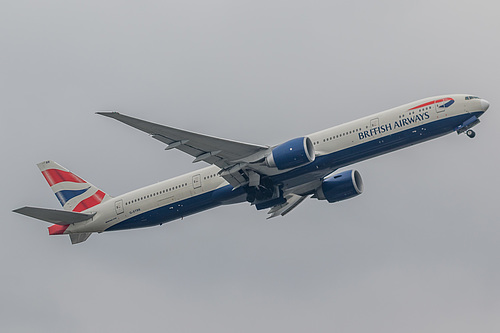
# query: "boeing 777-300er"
(277, 178)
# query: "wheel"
(471, 133)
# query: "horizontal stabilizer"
(61, 217)
(80, 237)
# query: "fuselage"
(335, 147)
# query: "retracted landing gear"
(470, 133)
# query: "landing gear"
(265, 195)
(467, 125)
(264, 191)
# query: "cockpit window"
(471, 97)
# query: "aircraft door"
(119, 207)
(196, 181)
(374, 124)
(196, 184)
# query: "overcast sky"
(418, 251)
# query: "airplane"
(277, 177)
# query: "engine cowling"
(341, 186)
(292, 154)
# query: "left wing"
(221, 152)
(241, 163)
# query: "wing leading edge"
(221, 152)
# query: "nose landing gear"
(470, 133)
(467, 125)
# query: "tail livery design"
(75, 195)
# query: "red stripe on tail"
(55, 176)
(90, 202)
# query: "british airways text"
(389, 127)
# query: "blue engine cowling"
(342, 186)
(292, 154)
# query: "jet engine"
(291, 154)
(344, 185)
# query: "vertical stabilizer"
(74, 193)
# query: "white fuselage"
(335, 147)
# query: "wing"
(241, 163)
(221, 152)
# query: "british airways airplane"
(277, 178)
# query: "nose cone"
(484, 104)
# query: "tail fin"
(74, 193)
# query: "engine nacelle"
(344, 185)
(292, 154)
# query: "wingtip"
(107, 113)
(18, 210)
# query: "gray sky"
(417, 252)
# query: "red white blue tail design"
(74, 193)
